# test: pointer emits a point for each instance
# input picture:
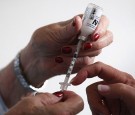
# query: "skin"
(46, 44)
(38, 57)
(48, 104)
(114, 95)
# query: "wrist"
(35, 66)
(10, 88)
(29, 64)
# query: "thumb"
(120, 91)
(71, 28)
(48, 98)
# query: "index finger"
(71, 104)
(102, 26)
(103, 71)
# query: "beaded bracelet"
(19, 73)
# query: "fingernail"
(95, 37)
(73, 23)
(59, 59)
(58, 94)
(87, 46)
(103, 88)
(66, 50)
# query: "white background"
(19, 19)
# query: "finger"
(113, 105)
(83, 61)
(69, 51)
(62, 66)
(72, 104)
(90, 53)
(71, 29)
(64, 23)
(103, 71)
(120, 91)
(101, 28)
(74, 101)
(47, 98)
(96, 103)
(104, 41)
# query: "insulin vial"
(90, 20)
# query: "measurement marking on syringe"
(95, 12)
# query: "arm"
(10, 88)
(42, 52)
(52, 47)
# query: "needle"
(90, 21)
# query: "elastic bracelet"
(19, 73)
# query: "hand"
(51, 48)
(115, 94)
(48, 104)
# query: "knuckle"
(45, 95)
(98, 66)
(98, 63)
(130, 80)
(128, 75)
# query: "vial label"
(90, 19)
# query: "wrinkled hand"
(115, 94)
(51, 48)
(48, 104)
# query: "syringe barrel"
(90, 19)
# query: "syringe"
(90, 21)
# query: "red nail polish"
(59, 59)
(59, 93)
(95, 37)
(87, 46)
(66, 50)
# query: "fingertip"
(78, 79)
(58, 94)
(95, 37)
(78, 22)
(73, 81)
(101, 28)
(72, 28)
